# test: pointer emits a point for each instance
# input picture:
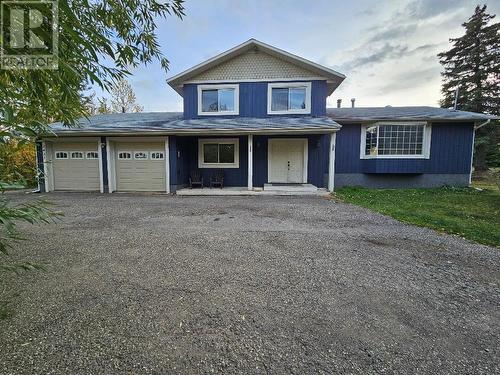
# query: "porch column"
(331, 164)
(250, 162)
(167, 166)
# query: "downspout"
(472, 151)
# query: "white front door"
(287, 160)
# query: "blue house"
(256, 116)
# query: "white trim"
(250, 162)
(305, 157)
(166, 157)
(306, 110)
(110, 151)
(99, 156)
(426, 141)
(331, 165)
(204, 141)
(237, 50)
(234, 87)
(249, 80)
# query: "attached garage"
(75, 166)
(140, 166)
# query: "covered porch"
(300, 163)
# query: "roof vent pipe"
(339, 103)
(352, 102)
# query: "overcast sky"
(387, 49)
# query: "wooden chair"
(195, 179)
(217, 178)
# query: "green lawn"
(470, 213)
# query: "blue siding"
(451, 145)
(317, 166)
(253, 99)
(187, 160)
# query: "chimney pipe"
(352, 102)
(339, 103)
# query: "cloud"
(392, 32)
(431, 8)
(380, 54)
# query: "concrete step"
(291, 188)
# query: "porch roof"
(173, 123)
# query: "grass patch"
(469, 213)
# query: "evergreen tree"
(473, 66)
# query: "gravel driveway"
(139, 284)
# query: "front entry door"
(287, 160)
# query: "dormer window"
(289, 98)
(218, 100)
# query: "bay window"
(396, 140)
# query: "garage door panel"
(76, 174)
(140, 174)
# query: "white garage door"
(140, 166)
(76, 166)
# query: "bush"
(18, 163)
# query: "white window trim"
(219, 87)
(71, 155)
(235, 141)
(156, 159)
(426, 141)
(87, 154)
(141, 152)
(58, 158)
(285, 85)
(130, 152)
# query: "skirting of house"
(400, 180)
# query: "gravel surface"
(139, 284)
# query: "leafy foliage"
(123, 98)
(473, 65)
(470, 213)
(18, 163)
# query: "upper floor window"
(289, 98)
(218, 99)
(396, 140)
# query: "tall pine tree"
(473, 66)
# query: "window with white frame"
(157, 155)
(218, 153)
(92, 155)
(76, 154)
(61, 155)
(141, 155)
(124, 155)
(218, 99)
(289, 98)
(396, 140)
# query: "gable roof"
(333, 78)
(365, 114)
